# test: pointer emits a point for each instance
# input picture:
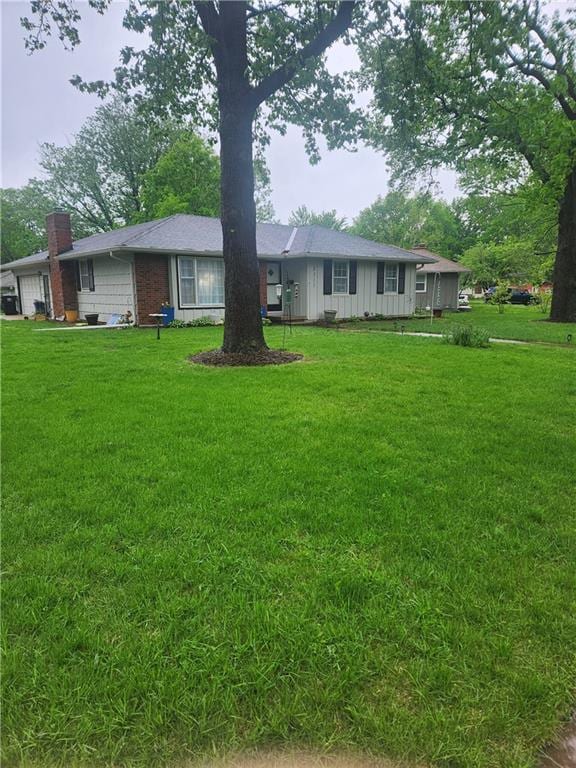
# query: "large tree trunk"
(243, 330)
(242, 321)
(564, 295)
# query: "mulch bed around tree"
(265, 357)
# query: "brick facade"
(263, 284)
(62, 274)
(151, 284)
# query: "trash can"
(39, 307)
(10, 305)
(168, 313)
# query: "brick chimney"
(62, 274)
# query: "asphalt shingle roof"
(183, 233)
(440, 264)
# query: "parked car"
(518, 296)
(463, 302)
(515, 296)
(488, 293)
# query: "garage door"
(31, 290)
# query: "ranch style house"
(177, 261)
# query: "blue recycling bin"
(169, 315)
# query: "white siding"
(296, 270)
(31, 289)
(365, 299)
(113, 288)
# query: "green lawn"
(371, 549)
(516, 322)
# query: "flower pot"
(92, 319)
(71, 315)
(330, 315)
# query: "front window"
(340, 277)
(420, 282)
(201, 281)
(390, 277)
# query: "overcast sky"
(39, 104)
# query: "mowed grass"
(516, 322)
(372, 549)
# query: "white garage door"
(31, 290)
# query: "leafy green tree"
(490, 89)
(24, 213)
(99, 175)
(303, 216)
(186, 179)
(398, 219)
(513, 261)
(235, 67)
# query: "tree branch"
(323, 40)
(209, 17)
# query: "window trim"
(395, 265)
(347, 291)
(195, 305)
(425, 276)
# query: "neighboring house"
(179, 260)
(7, 281)
(437, 283)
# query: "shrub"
(198, 322)
(467, 336)
(501, 296)
(201, 321)
(545, 301)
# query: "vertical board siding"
(366, 299)
(31, 289)
(446, 298)
(113, 292)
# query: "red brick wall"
(263, 284)
(152, 285)
(62, 274)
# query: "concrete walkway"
(439, 336)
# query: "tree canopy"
(406, 221)
(303, 216)
(99, 175)
(490, 89)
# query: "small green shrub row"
(466, 336)
(196, 323)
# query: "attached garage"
(34, 287)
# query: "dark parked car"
(518, 296)
(515, 296)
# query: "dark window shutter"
(380, 277)
(91, 274)
(401, 278)
(352, 277)
(77, 270)
(327, 277)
